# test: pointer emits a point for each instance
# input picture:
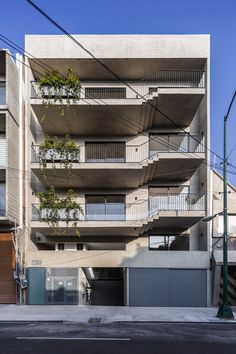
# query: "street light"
(211, 217)
(225, 310)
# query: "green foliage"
(54, 208)
(54, 149)
(54, 87)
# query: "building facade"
(141, 178)
(11, 182)
(217, 231)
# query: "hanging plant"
(54, 150)
(54, 209)
(56, 88)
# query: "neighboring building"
(142, 181)
(217, 240)
(10, 176)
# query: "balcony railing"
(118, 90)
(131, 211)
(121, 153)
(180, 202)
(177, 143)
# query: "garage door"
(7, 266)
(168, 287)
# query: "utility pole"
(225, 310)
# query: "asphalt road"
(72, 338)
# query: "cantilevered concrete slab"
(169, 107)
(161, 168)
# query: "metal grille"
(95, 320)
(105, 92)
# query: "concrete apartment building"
(142, 177)
(217, 241)
(11, 182)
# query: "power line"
(15, 46)
(50, 19)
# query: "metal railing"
(101, 212)
(117, 90)
(177, 78)
(121, 153)
(131, 211)
(179, 143)
(183, 201)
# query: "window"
(231, 225)
(105, 152)
(169, 143)
(105, 207)
(2, 92)
(2, 140)
(169, 242)
(169, 198)
(2, 192)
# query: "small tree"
(54, 87)
(53, 150)
(54, 209)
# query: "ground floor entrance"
(106, 286)
(118, 286)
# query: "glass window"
(2, 192)
(2, 92)
(169, 242)
(231, 225)
(105, 207)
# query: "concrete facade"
(158, 185)
(217, 229)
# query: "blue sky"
(214, 17)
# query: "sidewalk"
(109, 314)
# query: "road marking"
(74, 338)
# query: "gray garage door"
(167, 287)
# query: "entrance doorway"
(106, 286)
(61, 286)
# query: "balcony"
(115, 164)
(175, 212)
(114, 108)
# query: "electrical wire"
(38, 60)
(56, 24)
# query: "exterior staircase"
(149, 168)
(148, 111)
(149, 223)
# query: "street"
(158, 338)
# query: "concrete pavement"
(109, 314)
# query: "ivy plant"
(54, 150)
(54, 87)
(54, 209)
